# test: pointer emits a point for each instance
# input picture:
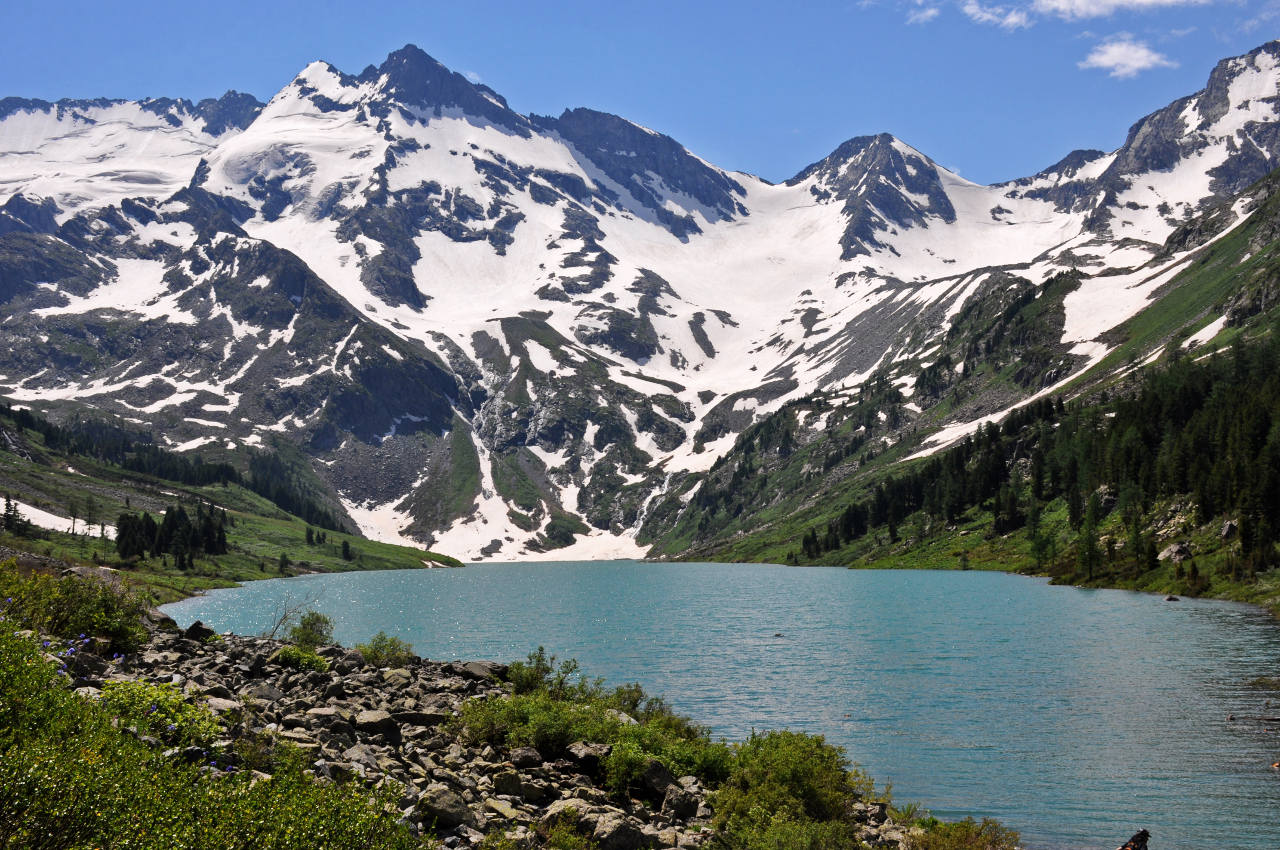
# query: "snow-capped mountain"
(504, 334)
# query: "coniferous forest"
(1204, 430)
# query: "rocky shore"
(391, 728)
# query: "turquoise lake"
(1075, 716)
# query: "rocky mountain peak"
(413, 78)
(233, 111)
(882, 182)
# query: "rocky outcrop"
(390, 728)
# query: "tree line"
(267, 475)
(1204, 430)
(177, 534)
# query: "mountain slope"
(503, 333)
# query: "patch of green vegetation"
(301, 658)
(384, 650)
(514, 483)
(312, 629)
(69, 778)
(463, 483)
(72, 607)
(160, 711)
(788, 789)
(551, 706)
(967, 834)
(561, 530)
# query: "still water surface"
(1075, 716)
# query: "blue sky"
(995, 89)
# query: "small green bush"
(301, 658)
(787, 784)
(966, 835)
(313, 629)
(383, 650)
(160, 712)
(779, 833)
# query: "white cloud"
(473, 76)
(1073, 10)
(1006, 17)
(1265, 15)
(923, 16)
(1123, 57)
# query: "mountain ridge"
(596, 311)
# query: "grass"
(259, 535)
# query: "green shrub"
(779, 833)
(313, 629)
(781, 778)
(966, 835)
(160, 711)
(383, 650)
(550, 709)
(70, 779)
(72, 607)
(540, 673)
(301, 658)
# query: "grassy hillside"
(262, 539)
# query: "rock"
(536, 791)
(1176, 552)
(396, 678)
(264, 693)
(361, 754)
(482, 670)
(614, 831)
(501, 808)
(526, 757)
(589, 757)
(564, 807)
(219, 705)
(443, 807)
(198, 632)
(378, 722)
(1230, 529)
(349, 663)
(1171, 598)
(622, 717)
(657, 778)
(679, 803)
(420, 718)
(508, 783)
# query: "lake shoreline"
(820, 650)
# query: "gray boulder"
(443, 807)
